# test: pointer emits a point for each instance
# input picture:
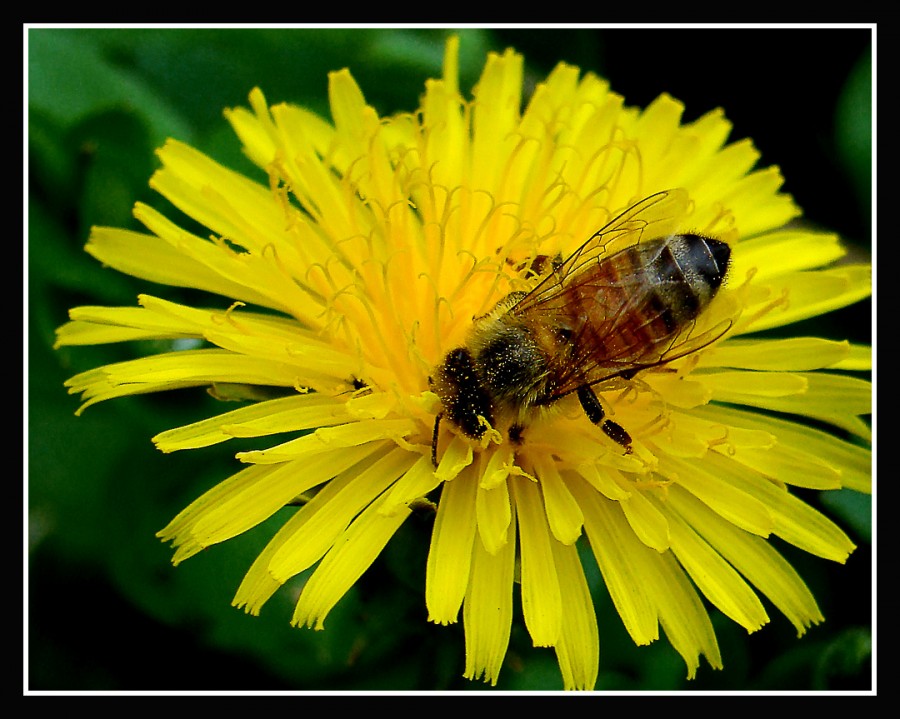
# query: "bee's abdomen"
(684, 273)
(641, 297)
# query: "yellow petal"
(541, 600)
(647, 587)
(497, 469)
(852, 462)
(756, 204)
(605, 481)
(93, 333)
(97, 325)
(351, 434)
(152, 258)
(328, 514)
(353, 552)
(859, 358)
(718, 581)
(755, 387)
(801, 295)
(320, 513)
(174, 370)
(648, 523)
(495, 118)
(753, 557)
(450, 555)
(778, 253)
(619, 555)
(792, 354)
(230, 204)
(711, 482)
(488, 608)
(578, 648)
(288, 414)
(795, 521)
(249, 497)
(413, 485)
(255, 129)
(681, 613)
(833, 398)
(493, 508)
(563, 512)
(263, 277)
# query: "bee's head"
(462, 394)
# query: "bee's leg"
(594, 411)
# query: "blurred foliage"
(99, 102)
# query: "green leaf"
(117, 160)
(853, 509)
(853, 126)
(846, 661)
(57, 261)
(69, 79)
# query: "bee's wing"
(607, 343)
(687, 342)
(629, 361)
(585, 367)
(654, 216)
(585, 360)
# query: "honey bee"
(599, 315)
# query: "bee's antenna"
(434, 438)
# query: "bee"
(626, 301)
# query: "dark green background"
(105, 608)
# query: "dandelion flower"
(360, 258)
